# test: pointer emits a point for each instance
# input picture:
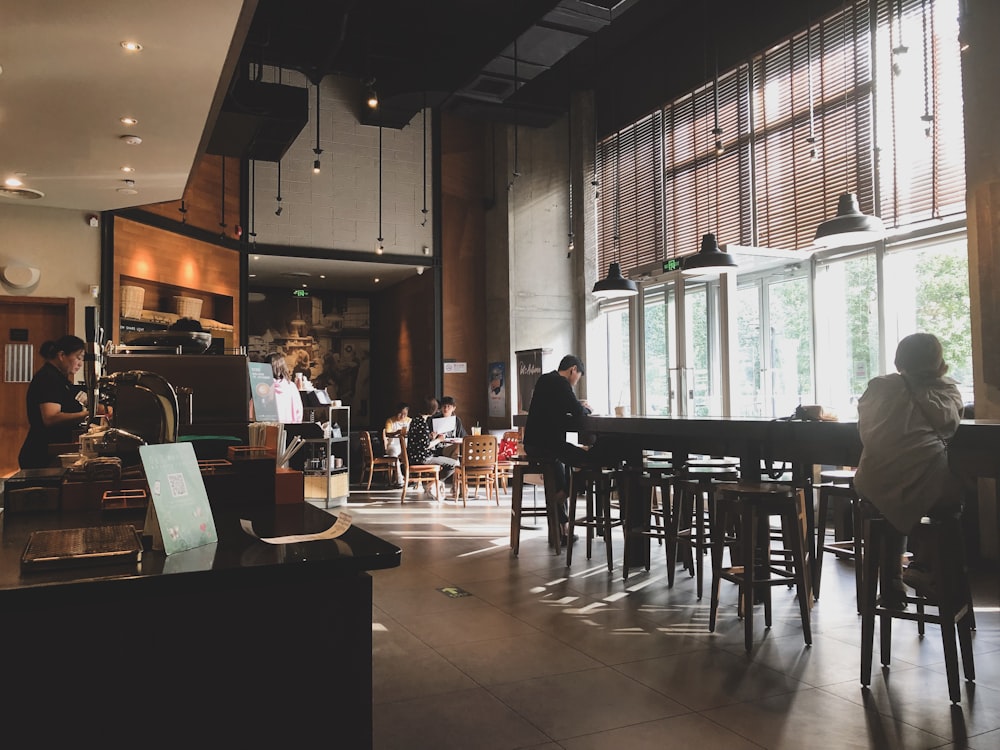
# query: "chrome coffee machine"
(142, 408)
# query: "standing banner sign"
(530, 366)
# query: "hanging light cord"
(253, 194)
(928, 117)
(277, 211)
(380, 239)
(317, 150)
(569, 170)
(517, 171)
(222, 218)
(811, 140)
(424, 211)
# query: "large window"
(837, 107)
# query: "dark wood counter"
(237, 641)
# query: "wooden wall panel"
(164, 260)
(203, 196)
(402, 346)
(463, 240)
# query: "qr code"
(178, 487)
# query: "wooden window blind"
(828, 82)
(922, 163)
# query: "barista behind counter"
(55, 405)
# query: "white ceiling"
(66, 81)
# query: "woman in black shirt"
(55, 407)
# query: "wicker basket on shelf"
(188, 307)
(132, 298)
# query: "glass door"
(682, 362)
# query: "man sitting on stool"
(554, 409)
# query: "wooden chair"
(388, 465)
(419, 473)
(478, 466)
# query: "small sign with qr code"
(179, 516)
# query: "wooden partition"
(166, 265)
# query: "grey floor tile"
(689, 730)
(513, 659)
(415, 675)
(701, 680)
(457, 721)
(464, 624)
(793, 721)
(581, 703)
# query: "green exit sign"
(674, 264)
(300, 293)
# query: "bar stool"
(751, 505)
(837, 486)
(658, 520)
(953, 600)
(694, 513)
(522, 465)
(597, 484)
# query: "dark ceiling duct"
(259, 120)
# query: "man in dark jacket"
(555, 409)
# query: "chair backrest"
(510, 446)
(366, 447)
(404, 458)
(479, 451)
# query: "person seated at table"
(905, 420)
(286, 394)
(394, 426)
(447, 409)
(420, 439)
(554, 409)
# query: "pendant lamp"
(614, 285)
(849, 226)
(709, 259)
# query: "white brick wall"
(338, 208)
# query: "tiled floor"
(540, 656)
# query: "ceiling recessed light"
(128, 191)
(128, 169)
(322, 275)
(129, 121)
(131, 140)
(377, 279)
(256, 257)
(252, 275)
(131, 46)
(13, 182)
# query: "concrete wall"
(543, 292)
(58, 242)
(338, 208)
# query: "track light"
(371, 95)
(316, 167)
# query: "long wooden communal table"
(756, 442)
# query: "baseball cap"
(569, 360)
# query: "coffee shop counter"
(236, 641)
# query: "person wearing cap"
(554, 409)
(904, 420)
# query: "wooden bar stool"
(694, 512)
(597, 484)
(751, 505)
(952, 599)
(657, 511)
(522, 466)
(837, 487)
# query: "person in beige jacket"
(905, 420)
